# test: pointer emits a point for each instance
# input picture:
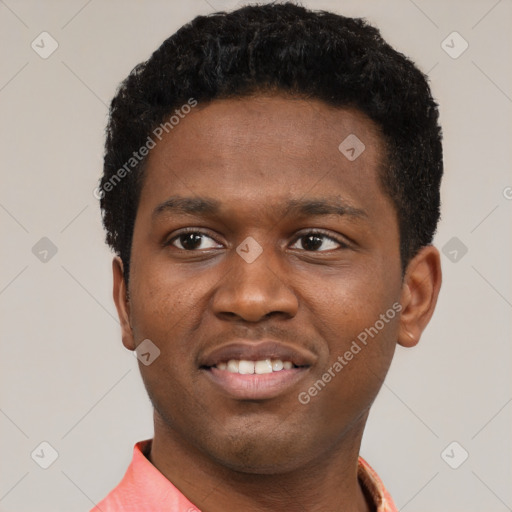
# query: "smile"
(245, 367)
(254, 385)
(249, 370)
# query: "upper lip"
(257, 351)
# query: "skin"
(253, 156)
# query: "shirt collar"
(374, 487)
(144, 489)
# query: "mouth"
(261, 367)
(249, 371)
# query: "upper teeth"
(245, 367)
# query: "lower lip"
(254, 386)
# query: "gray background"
(66, 378)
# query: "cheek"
(163, 298)
(352, 299)
(165, 311)
(359, 347)
(168, 308)
(356, 314)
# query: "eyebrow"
(187, 206)
(300, 207)
(334, 206)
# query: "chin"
(261, 465)
(263, 455)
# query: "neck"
(327, 483)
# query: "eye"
(193, 240)
(318, 242)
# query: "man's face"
(268, 168)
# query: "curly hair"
(319, 55)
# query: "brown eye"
(194, 241)
(312, 242)
(316, 242)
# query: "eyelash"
(187, 231)
(342, 244)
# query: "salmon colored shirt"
(144, 489)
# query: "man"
(271, 190)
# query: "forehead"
(263, 148)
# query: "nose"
(254, 291)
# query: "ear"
(122, 303)
(420, 290)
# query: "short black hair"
(285, 48)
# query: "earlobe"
(122, 302)
(420, 290)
